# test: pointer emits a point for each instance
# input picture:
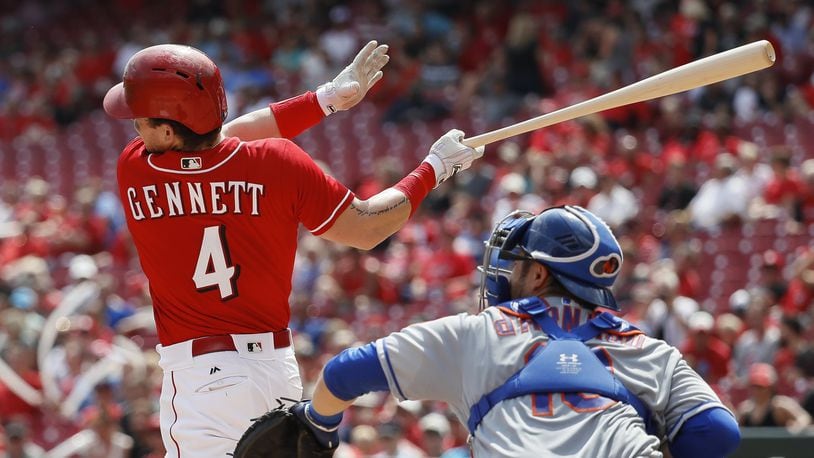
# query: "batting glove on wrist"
(326, 435)
(352, 83)
(449, 156)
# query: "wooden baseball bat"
(712, 69)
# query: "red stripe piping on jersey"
(528, 317)
(625, 333)
(193, 172)
(342, 202)
(174, 393)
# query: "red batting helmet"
(172, 82)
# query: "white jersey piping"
(194, 172)
(333, 213)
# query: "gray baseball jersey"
(457, 359)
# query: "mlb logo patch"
(254, 347)
(191, 163)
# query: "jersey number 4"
(214, 268)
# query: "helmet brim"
(591, 294)
(115, 104)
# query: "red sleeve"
(320, 197)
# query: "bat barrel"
(709, 70)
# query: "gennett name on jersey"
(194, 198)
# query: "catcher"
(555, 375)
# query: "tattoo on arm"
(363, 210)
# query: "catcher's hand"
(286, 432)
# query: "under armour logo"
(569, 364)
(254, 347)
(213, 370)
(565, 358)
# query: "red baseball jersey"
(216, 231)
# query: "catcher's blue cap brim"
(591, 294)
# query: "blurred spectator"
(805, 210)
(785, 188)
(362, 443)
(678, 189)
(791, 343)
(394, 445)
(766, 408)
(101, 438)
(17, 442)
(728, 327)
(512, 193)
(760, 339)
(459, 436)
(754, 172)
(771, 275)
(722, 198)
(669, 312)
(14, 407)
(435, 430)
(614, 203)
(805, 364)
(703, 350)
(798, 297)
(583, 183)
(522, 53)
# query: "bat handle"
(485, 139)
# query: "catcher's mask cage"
(576, 246)
(170, 81)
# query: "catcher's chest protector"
(564, 365)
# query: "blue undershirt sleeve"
(712, 433)
(354, 372)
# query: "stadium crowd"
(710, 192)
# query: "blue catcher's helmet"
(577, 247)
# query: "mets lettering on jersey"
(177, 199)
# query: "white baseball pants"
(208, 401)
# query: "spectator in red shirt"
(799, 294)
(785, 187)
(13, 407)
(447, 270)
(704, 351)
(805, 209)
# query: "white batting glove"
(351, 84)
(449, 156)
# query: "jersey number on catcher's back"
(542, 405)
(214, 268)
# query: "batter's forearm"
(367, 223)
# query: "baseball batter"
(214, 212)
(542, 371)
